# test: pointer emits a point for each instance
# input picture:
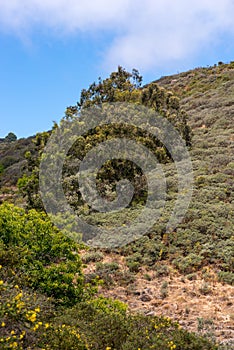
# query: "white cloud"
(148, 33)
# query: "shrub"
(226, 276)
(106, 271)
(24, 316)
(205, 288)
(106, 324)
(189, 263)
(164, 290)
(92, 257)
(45, 259)
(134, 262)
(161, 270)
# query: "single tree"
(11, 137)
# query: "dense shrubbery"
(115, 329)
(42, 256)
(24, 315)
(37, 261)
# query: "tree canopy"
(11, 137)
(120, 86)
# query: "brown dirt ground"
(186, 302)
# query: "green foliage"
(106, 271)
(37, 261)
(28, 184)
(205, 237)
(121, 86)
(134, 262)
(45, 259)
(28, 321)
(8, 161)
(189, 263)
(12, 159)
(107, 267)
(115, 328)
(92, 257)
(226, 276)
(164, 290)
(24, 315)
(161, 270)
(11, 137)
(108, 90)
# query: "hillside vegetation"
(166, 283)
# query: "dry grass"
(202, 298)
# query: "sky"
(51, 49)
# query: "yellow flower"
(22, 335)
(35, 327)
(14, 345)
(1, 282)
(3, 324)
(31, 316)
(20, 304)
(37, 309)
(18, 296)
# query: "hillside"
(12, 164)
(187, 275)
(189, 281)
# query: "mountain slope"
(188, 275)
(187, 281)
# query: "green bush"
(92, 257)
(188, 264)
(24, 315)
(226, 276)
(45, 259)
(107, 271)
(134, 262)
(106, 324)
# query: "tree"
(11, 137)
(123, 86)
(120, 86)
(107, 90)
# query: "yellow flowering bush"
(107, 324)
(21, 317)
(45, 259)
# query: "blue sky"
(50, 50)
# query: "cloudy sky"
(51, 49)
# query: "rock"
(150, 313)
(145, 298)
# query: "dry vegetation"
(197, 301)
